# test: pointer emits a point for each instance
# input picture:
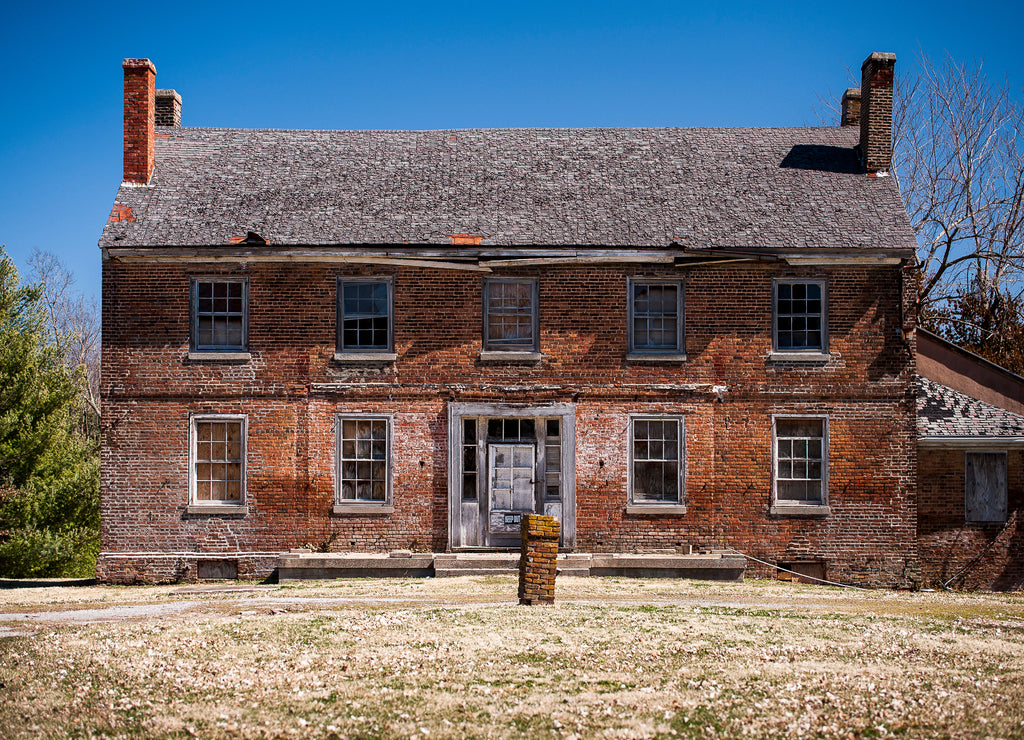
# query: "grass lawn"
(429, 658)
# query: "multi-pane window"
(985, 486)
(364, 315)
(552, 459)
(218, 459)
(469, 459)
(363, 459)
(219, 314)
(510, 315)
(801, 460)
(657, 460)
(655, 316)
(800, 315)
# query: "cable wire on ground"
(786, 570)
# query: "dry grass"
(431, 658)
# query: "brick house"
(378, 340)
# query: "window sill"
(218, 509)
(510, 356)
(801, 510)
(362, 509)
(656, 509)
(346, 357)
(212, 356)
(799, 357)
(655, 357)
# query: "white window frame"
(656, 353)
(1003, 494)
(800, 354)
(199, 351)
(224, 506)
(359, 506)
(498, 348)
(676, 508)
(788, 507)
(344, 354)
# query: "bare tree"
(73, 320)
(958, 153)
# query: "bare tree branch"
(73, 320)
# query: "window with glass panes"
(363, 459)
(364, 319)
(799, 315)
(510, 314)
(800, 460)
(219, 319)
(656, 460)
(218, 459)
(655, 316)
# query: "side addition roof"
(944, 414)
(774, 188)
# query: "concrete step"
(453, 572)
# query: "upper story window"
(220, 314)
(800, 314)
(217, 467)
(510, 315)
(655, 316)
(365, 315)
(800, 464)
(656, 460)
(985, 486)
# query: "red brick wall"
(150, 387)
(964, 554)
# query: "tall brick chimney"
(139, 105)
(851, 107)
(876, 112)
(168, 108)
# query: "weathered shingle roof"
(775, 188)
(944, 412)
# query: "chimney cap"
(879, 57)
(851, 92)
(138, 64)
(169, 94)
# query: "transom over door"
(512, 485)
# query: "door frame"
(565, 412)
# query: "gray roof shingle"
(944, 412)
(700, 187)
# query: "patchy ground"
(617, 658)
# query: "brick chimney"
(876, 112)
(168, 108)
(851, 107)
(139, 105)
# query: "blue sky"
(422, 65)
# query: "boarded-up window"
(985, 474)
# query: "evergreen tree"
(49, 469)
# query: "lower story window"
(364, 459)
(801, 460)
(657, 456)
(218, 459)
